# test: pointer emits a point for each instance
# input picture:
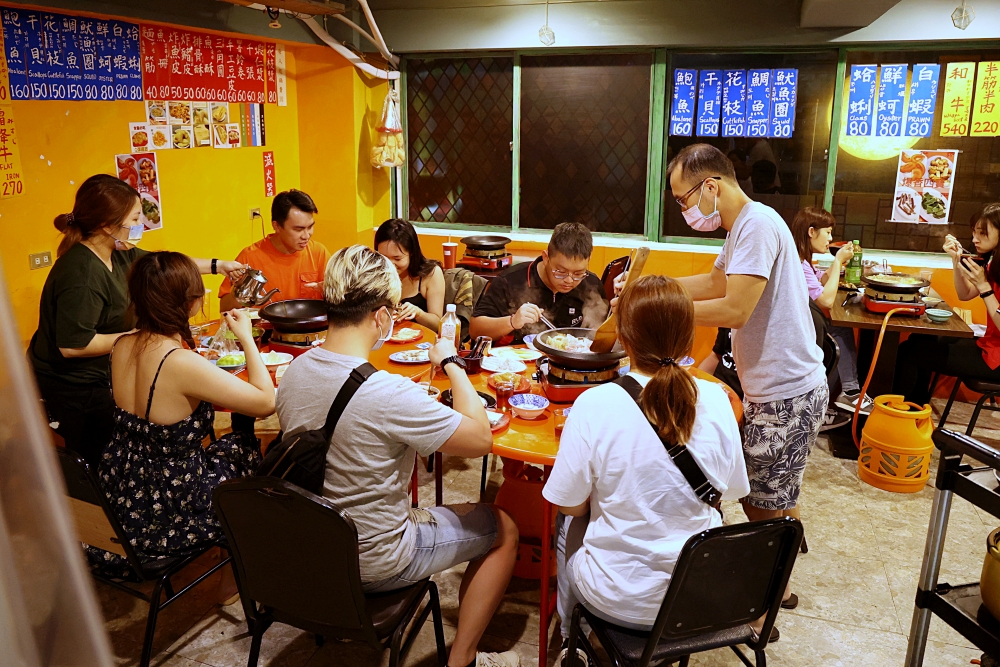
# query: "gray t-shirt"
(775, 352)
(370, 460)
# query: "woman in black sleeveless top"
(422, 278)
(156, 472)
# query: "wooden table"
(530, 441)
(855, 316)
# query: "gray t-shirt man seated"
(371, 454)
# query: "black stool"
(989, 391)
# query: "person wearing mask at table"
(625, 508)
(979, 358)
(156, 471)
(556, 285)
(422, 279)
(757, 289)
(288, 258)
(369, 463)
(82, 311)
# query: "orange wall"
(320, 142)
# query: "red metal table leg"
(547, 604)
(438, 465)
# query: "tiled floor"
(856, 587)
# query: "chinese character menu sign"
(59, 57)
(735, 103)
(184, 65)
(11, 176)
(958, 84)
(985, 110)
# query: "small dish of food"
(410, 357)
(521, 383)
(521, 354)
(938, 315)
(528, 406)
(931, 301)
(406, 335)
(232, 362)
(501, 364)
(488, 401)
(430, 390)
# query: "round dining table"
(532, 441)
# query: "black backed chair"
(725, 578)
(97, 526)
(614, 269)
(831, 358)
(295, 555)
(989, 391)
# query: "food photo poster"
(924, 183)
(140, 171)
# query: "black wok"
(486, 242)
(296, 315)
(583, 361)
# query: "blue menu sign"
(758, 102)
(861, 100)
(61, 57)
(891, 98)
(709, 102)
(682, 103)
(784, 93)
(923, 93)
(734, 106)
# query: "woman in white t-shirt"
(613, 481)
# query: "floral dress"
(159, 480)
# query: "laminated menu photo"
(179, 113)
(200, 114)
(182, 136)
(138, 137)
(156, 112)
(220, 112)
(220, 136)
(160, 137)
(233, 132)
(202, 135)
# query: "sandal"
(791, 603)
(775, 636)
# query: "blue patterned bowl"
(528, 406)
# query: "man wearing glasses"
(556, 286)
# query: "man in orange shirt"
(288, 258)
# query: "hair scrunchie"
(69, 218)
(667, 361)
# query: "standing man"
(757, 288)
(288, 258)
(557, 285)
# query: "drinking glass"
(505, 389)
(559, 416)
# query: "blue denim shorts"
(446, 536)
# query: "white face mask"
(134, 236)
(700, 222)
(382, 337)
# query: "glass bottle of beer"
(852, 274)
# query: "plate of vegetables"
(933, 207)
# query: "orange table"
(530, 441)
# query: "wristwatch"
(985, 294)
(215, 266)
(454, 359)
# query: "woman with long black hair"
(422, 278)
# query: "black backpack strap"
(344, 396)
(680, 454)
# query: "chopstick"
(546, 321)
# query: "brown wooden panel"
(93, 527)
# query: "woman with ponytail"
(625, 508)
(83, 310)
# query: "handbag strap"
(680, 454)
(344, 396)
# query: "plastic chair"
(97, 526)
(725, 578)
(989, 391)
(295, 556)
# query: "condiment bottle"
(852, 274)
(451, 327)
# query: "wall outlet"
(254, 213)
(40, 260)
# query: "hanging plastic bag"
(389, 149)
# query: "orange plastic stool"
(520, 496)
(896, 445)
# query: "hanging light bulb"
(273, 14)
(545, 34)
(963, 16)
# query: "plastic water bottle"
(852, 274)
(451, 326)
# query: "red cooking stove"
(295, 343)
(564, 385)
(879, 302)
(489, 260)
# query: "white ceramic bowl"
(528, 406)
(283, 358)
(432, 391)
(938, 315)
(931, 301)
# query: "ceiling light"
(545, 34)
(273, 14)
(963, 16)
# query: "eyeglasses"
(682, 199)
(563, 275)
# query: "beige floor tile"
(903, 583)
(845, 590)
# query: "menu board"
(682, 103)
(270, 73)
(923, 95)
(861, 100)
(891, 100)
(140, 171)
(985, 110)
(734, 108)
(709, 101)
(784, 94)
(958, 84)
(61, 57)
(11, 176)
(758, 103)
(183, 65)
(924, 183)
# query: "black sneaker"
(834, 418)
